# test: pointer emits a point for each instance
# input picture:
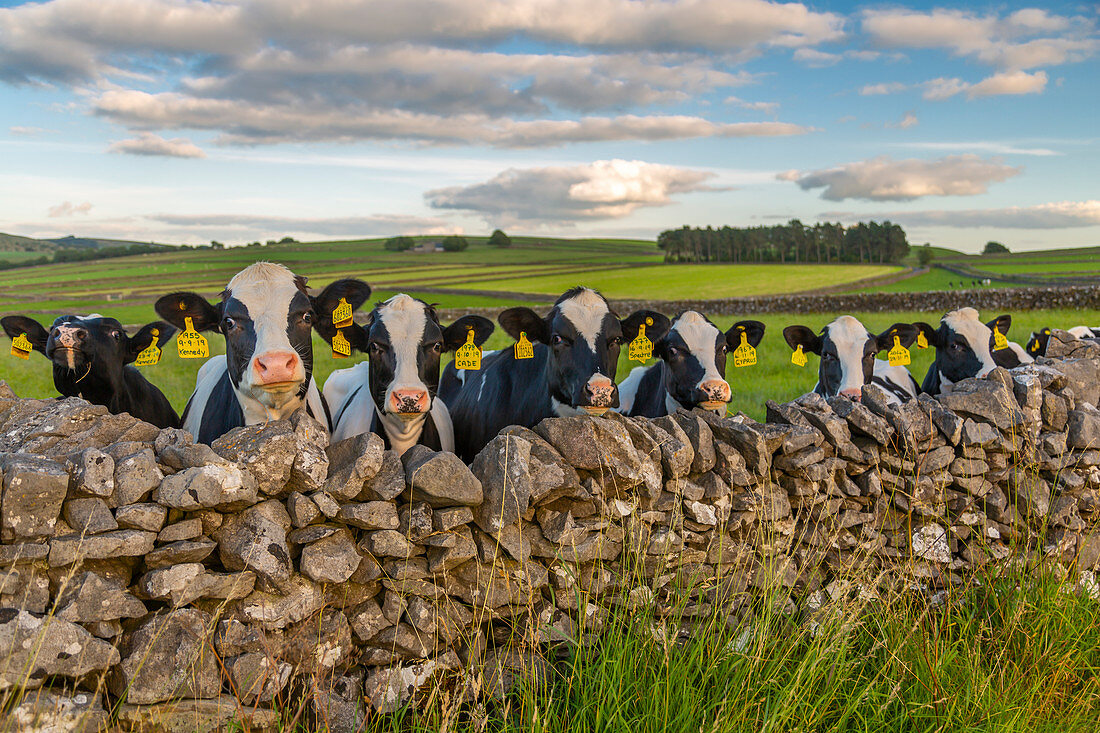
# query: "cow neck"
(256, 412)
(401, 434)
(88, 383)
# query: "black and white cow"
(91, 358)
(267, 318)
(576, 353)
(691, 371)
(964, 348)
(847, 350)
(1037, 344)
(394, 394)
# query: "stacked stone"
(187, 585)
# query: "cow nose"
(852, 394)
(716, 389)
(600, 391)
(276, 366)
(985, 372)
(409, 400)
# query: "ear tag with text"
(21, 346)
(342, 315)
(798, 358)
(744, 355)
(341, 347)
(190, 343)
(899, 355)
(151, 355)
(922, 340)
(523, 348)
(641, 348)
(999, 340)
(468, 356)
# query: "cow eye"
(956, 346)
(556, 339)
(722, 348)
(116, 335)
(437, 347)
(376, 347)
(307, 317)
(828, 357)
(228, 323)
(675, 352)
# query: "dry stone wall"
(166, 585)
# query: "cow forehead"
(404, 317)
(698, 333)
(262, 287)
(586, 311)
(92, 320)
(847, 332)
(966, 323)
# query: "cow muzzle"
(599, 394)
(715, 395)
(408, 403)
(855, 395)
(277, 371)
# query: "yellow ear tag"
(190, 343)
(341, 347)
(641, 348)
(523, 348)
(21, 346)
(341, 316)
(798, 358)
(999, 340)
(468, 356)
(899, 355)
(922, 340)
(744, 355)
(151, 355)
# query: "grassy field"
(935, 279)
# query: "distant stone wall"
(181, 586)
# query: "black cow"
(267, 318)
(847, 350)
(91, 356)
(576, 353)
(1037, 344)
(394, 394)
(964, 348)
(691, 371)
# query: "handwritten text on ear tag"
(190, 343)
(922, 340)
(899, 355)
(744, 355)
(641, 348)
(468, 356)
(150, 356)
(999, 340)
(798, 358)
(524, 349)
(341, 347)
(21, 346)
(341, 316)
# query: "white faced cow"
(267, 319)
(847, 350)
(691, 371)
(576, 352)
(964, 349)
(91, 358)
(394, 394)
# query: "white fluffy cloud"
(886, 179)
(1056, 215)
(909, 119)
(149, 143)
(68, 208)
(605, 189)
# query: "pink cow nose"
(716, 389)
(408, 401)
(600, 391)
(71, 337)
(276, 366)
(852, 394)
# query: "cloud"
(1010, 82)
(1056, 215)
(909, 119)
(767, 107)
(988, 146)
(249, 226)
(68, 208)
(148, 143)
(605, 189)
(22, 131)
(885, 179)
(885, 88)
(816, 59)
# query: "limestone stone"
(266, 450)
(120, 543)
(440, 479)
(168, 655)
(34, 647)
(89, 516)
(255, 540)
(33, 491)
(212, 486)
(149, 517)
(332, 559)
(90, 598)
(135, 476)
(503, 470)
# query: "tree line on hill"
(791, 242)
(453, 243)
(83, 254)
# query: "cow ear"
(454, 335)
(906, 333)
(931, 335)
(177, 307)
(36, 333)
(141, 340)
(515, 320)
(355, 292)
(656, 325)
(754, 330)
(796, 336)
(1001, 323)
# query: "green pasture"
(935, 279)
(1090, 267)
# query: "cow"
(394, 394)
(576, 353)
(267, 318)
(691, 371)
(92, 357)
(1037, 344)
(964, 348)
(847, 350)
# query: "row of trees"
(453, 243)
(790, 242)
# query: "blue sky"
(188, 121)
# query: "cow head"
(405, 341)
(584, 338)
(1037, 345)
(88, 345)
(964, 348)
(694, 352)
(267, 318)
(847, 350)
